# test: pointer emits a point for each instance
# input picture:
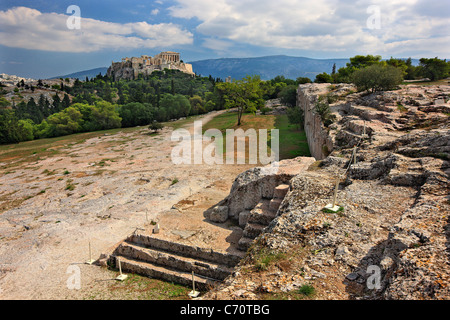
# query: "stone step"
(164, 273)
(244, 243)
(262, 214)
(281, 191)
(252, 230)
(275, 204)
(184, 250)
(174, 261)
(347, 138)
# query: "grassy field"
(137, 287)
(292, 141)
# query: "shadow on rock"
(371, 277)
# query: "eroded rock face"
(260, 182)
(391, 239)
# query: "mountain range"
(237, 68)
(266, 67)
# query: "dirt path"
(98, 192)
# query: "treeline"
(431, 68)
(101, 103)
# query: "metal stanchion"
(90, 261)
(193, 293)
(121, 276)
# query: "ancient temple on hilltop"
(131, 68)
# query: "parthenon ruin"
(131, 68)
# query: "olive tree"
(377, 78)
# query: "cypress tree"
(66, 101)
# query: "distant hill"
(266, 67)
(83, 74)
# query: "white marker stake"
(333, 206)
(121, 276)
(90, 261)
(364, 135)
(193, 293)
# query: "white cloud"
(322, 25)
(216, 44)
(155, 12)
(22, 27)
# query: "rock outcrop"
(390, 238)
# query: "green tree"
(66, 101)
(196, 103)
(136, 114)
(324, 78)
(11, 130)
(357, 62)
(244, 95)
(27, 129)
(106, 116)
(33, 112)
(4, 103)
(434, 68)
(377, 78)
(65, 122)
(155, 126)
(303, 80)
(56, 105)
(288, 95)
(184, 105)
(295, 116)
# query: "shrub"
(295, 116)
(264, 110)
(307, 290)
(323, 109)
(288, 95)
(377, 78)
(155, 126)
(324, 78)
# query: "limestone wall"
(320, 144)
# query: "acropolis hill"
(131, 68)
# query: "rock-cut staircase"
(261, 216)
(174, 262)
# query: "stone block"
(280, 191)
(243, 218)
(219, 214)
(275, 204)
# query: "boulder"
(219, 214)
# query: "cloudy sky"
(41, 38)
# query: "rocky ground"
(390, 238)
(98, 192)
